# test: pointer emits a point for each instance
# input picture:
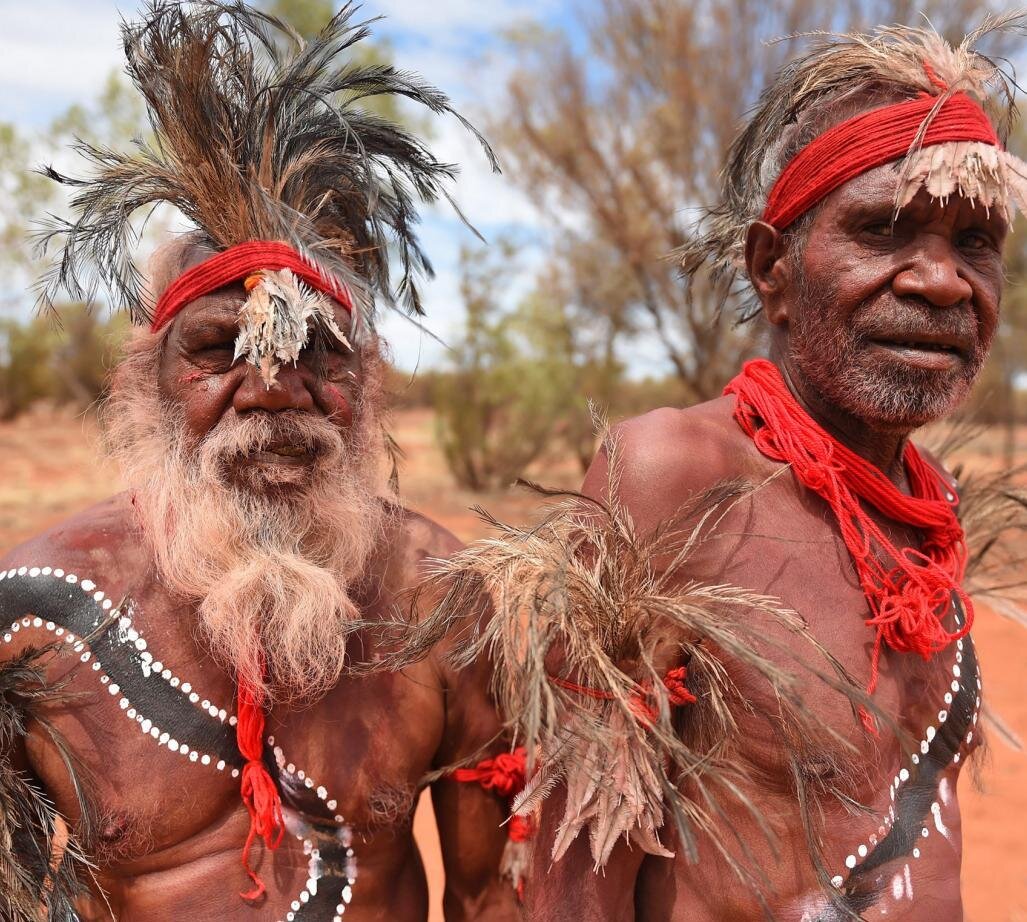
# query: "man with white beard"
(176, 689)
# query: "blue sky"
(57, 52)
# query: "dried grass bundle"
(582, 597)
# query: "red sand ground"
(49, 468)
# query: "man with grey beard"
(192, 723)
(742, 659)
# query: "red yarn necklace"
(907, 589)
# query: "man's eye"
(880, 229)
(975, 240)
(217, 354)
(214, 346)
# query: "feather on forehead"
(854, 72)
(258, 135)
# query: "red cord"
(503, 773)
(866, 141)
(237, 263)
(640, 702)
(907, 590)
(259, 792)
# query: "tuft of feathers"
(257, 135)
(42, 864)
(275, 320)
(580, 614)
(839, 76)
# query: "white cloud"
(488, 199)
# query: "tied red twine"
(641, 701)
(870, 140)
(505, 774)
(233, 264)
(259, 792)
(907, 590)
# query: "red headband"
(234, 264)
(866, 141)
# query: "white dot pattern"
(130, 634)
(902, 777)
(127, 632)
(308, 845)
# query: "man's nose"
(289, 392)
(934, 273)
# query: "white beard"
(269, 570)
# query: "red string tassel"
(259, 792)
(505, 774)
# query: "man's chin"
(905, 402)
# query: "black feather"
(257, 135)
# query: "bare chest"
(150, 724)
(897, 822)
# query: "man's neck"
(881, 447)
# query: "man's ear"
(769, 272)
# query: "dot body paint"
(122, 664)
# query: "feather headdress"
(839, 76)
(258, 135)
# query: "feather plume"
(840, 75)
(582, 596)
(275, 320)
(257, 135)
(31, 829)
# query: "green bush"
(66, 363)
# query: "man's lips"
(282, 454)
(926, 350)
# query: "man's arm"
(571, 888)
(469, 817)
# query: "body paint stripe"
(74, 609)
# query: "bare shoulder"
(421, 538)
(410, 540)
(101, 540)
(667, 455)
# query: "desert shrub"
(66, 362)
(508, 383)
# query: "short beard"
(833, 357)
(268, 559)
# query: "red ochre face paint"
(340, 410)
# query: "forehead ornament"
(949, 146)
(286, 300)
